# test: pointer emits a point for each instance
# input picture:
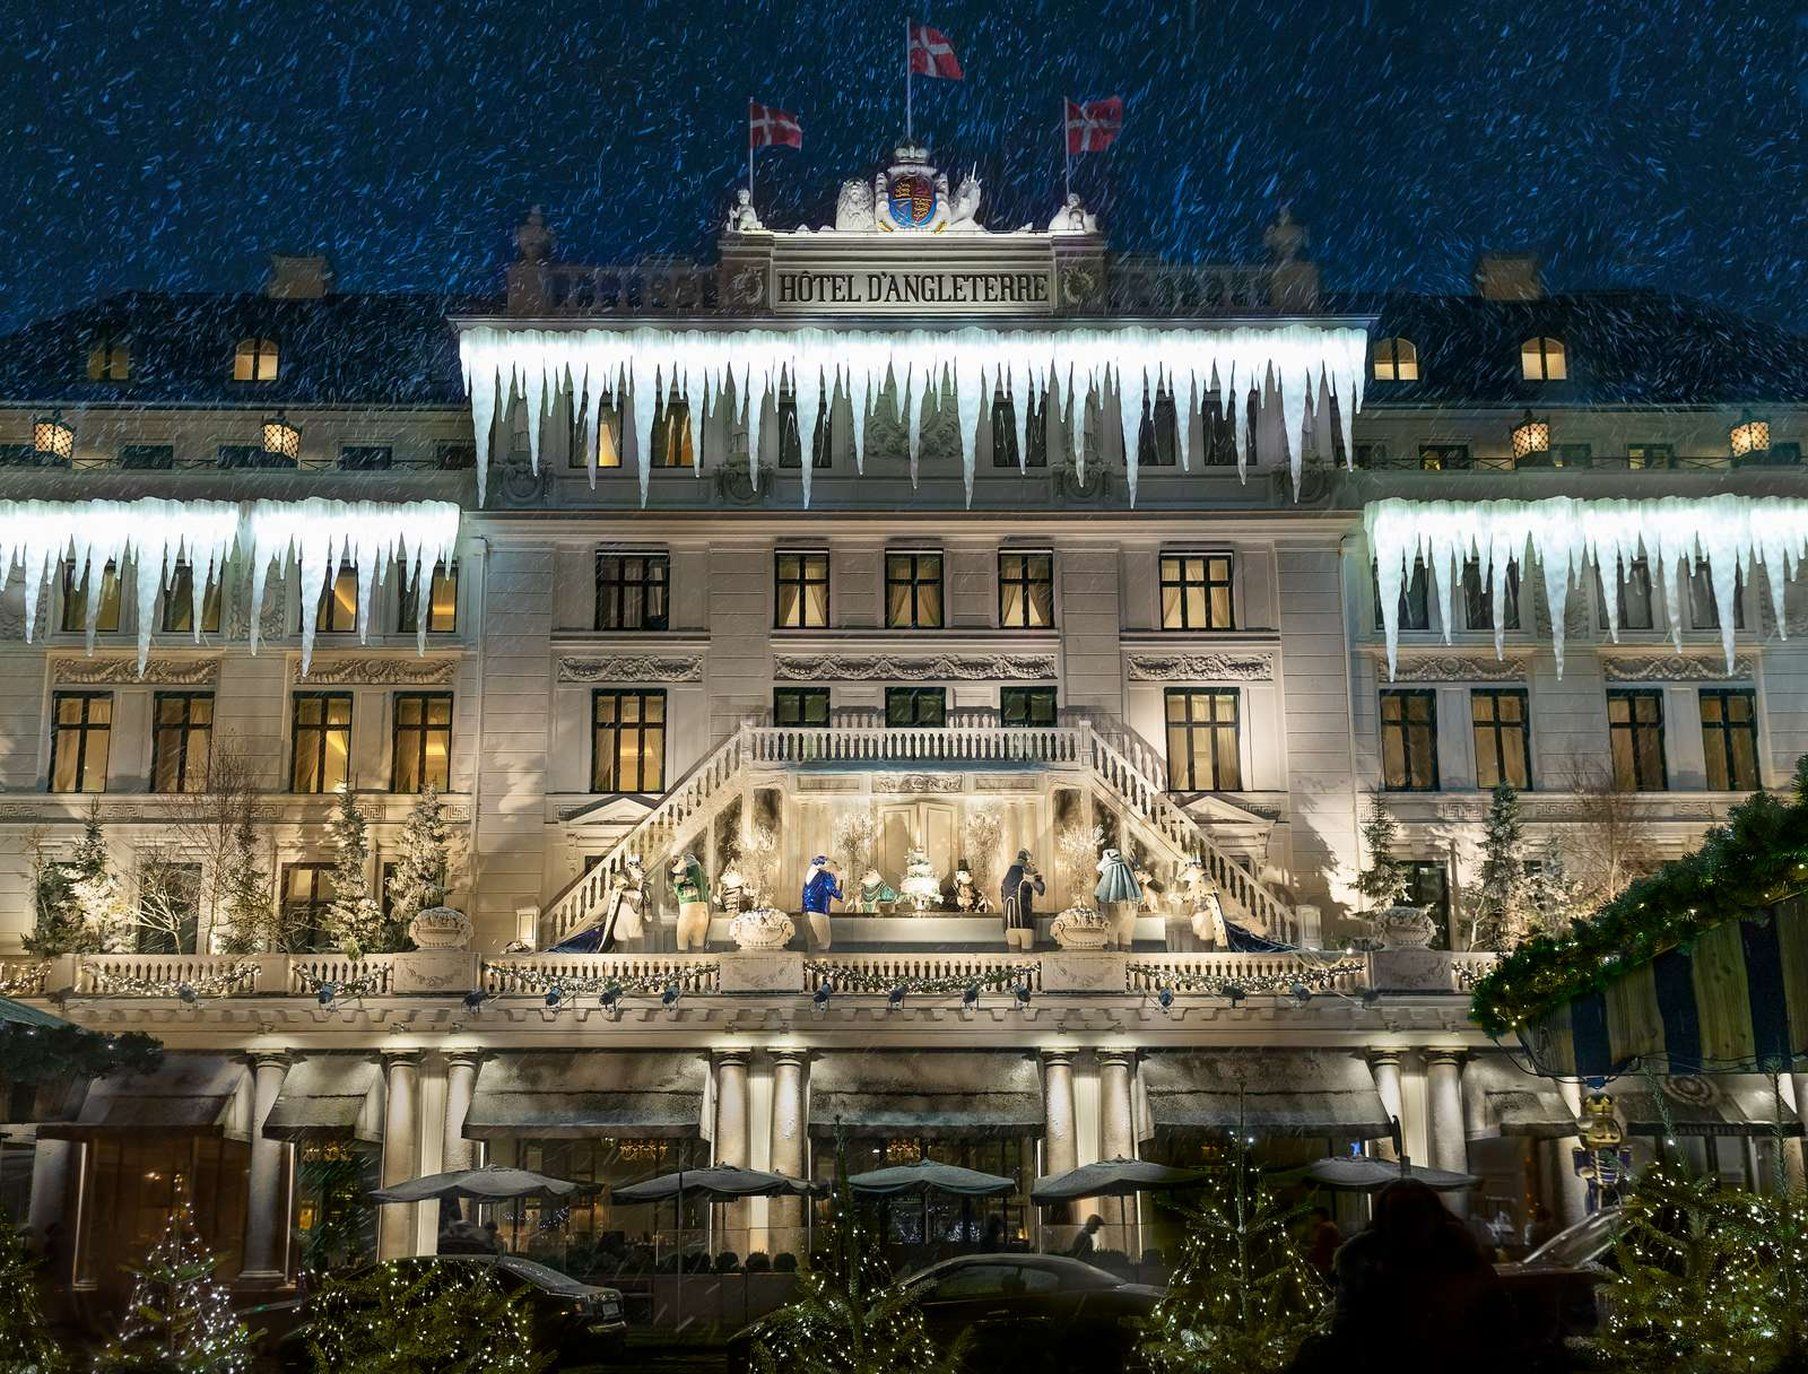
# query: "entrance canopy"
(329, 1095)
(937, 1094)
(188, 1094)
(1719, 1104)
(1501, 1099)
(573, 1095)
(1258, 1092)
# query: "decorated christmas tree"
(1500, 902)
(24, 1332)
(422, 864)
(1383, 882)
(849, 1317)
(353, 916)
(448, 1318)
(180, 1317)
(1241, 1299)
(96, 888)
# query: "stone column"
(1117, 1140)
(1385, 1065)
(789, 1149)
(266, 1204)
(461, 1083)
(51, 1161)
(1060, 1148)
(1444, 1107)
(1571, 1191)
(401, 1150)
(731, 1141)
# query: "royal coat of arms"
(911, 199)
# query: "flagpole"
(1066, 153)
(750, 150)
(909, 136)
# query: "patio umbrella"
(1356, 1174)
(1113, 1178)
(494, 1184)
(927, 1176)
(720, 1184)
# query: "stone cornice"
(402, 670)
(1672, 667)
(656, 668)
(161, 672)
(914, 667)
(1198, 665)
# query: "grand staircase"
(1125, 770)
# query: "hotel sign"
(916, 289)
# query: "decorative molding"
(1458, 668)
(381, 672)
(885, 667)
(632, 668)
(1207, 666)
(1674, 668)
(923, 782)
(166, 672)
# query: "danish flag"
(931, 54)
(769, 128)
(1093, 124)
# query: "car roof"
(1072, 1269)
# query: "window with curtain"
(800, 589)
(627, 732)
(1196, 591)
(1635, 731)
(1026, 590)
(913, 591)
(1409, 741)
(81, 733)
(181, 741)
(1729, 738)
(1502, 731)
(1204, 753)
(421, 747)
(321, 741)
(632, 590)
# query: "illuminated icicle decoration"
(146, 540)
(1731, 535)
(1287, 364)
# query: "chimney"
(1509, 277)
(298, 277)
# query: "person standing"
(1017, 897)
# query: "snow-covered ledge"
(1730, 534)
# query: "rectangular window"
(81, 731)
(321, 741)
(1220, 434)
(800, 590)
(1445, 457)
(1729, 738)
(181, 741)
(800, 706)
(1503, 746)
(1004, 432)
(632, 591)
(1641, 456)
(169, 908)
(1158, 438)
(1704, 614)
(337, 613)
(1026, 590)
(1027, 706)
(1203, 752)
(179, 603)
(1413, 610)
(75, 600)
(1478, 598)
(422, 742)
(790, 442)
(916, 706)
(672, 446)
(1409, 741)
(913, 591)
(1196, 591)
(307, 894)
(366, 458)
(1428, 886)
(608, 440)
(1633, 595)
(442, 602)
(1635, 730)
(627, 742)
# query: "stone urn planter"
(1404, 927)
(441, 927)
(1080, 927)
(761, 928)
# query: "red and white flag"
(1093, 124)
(772, 128)
(931, 54)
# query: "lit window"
(1396, 360)
(254, 360)
(1026, 591)
(322, 741)
(1203, 753)
(81, 732)
(1543, 360)
(182, 735)
(75, 601)
(913, 591)
(179, 603)
(627, 742)
(442, 602)
(338, 609)
(110, 360)
(307, 899)
(422, 742)
(608, 439)
(1729, 738)
(1196, 591)
(1635, 732)
(1409, 741)
(1503, 750)
(801, 590)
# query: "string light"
(226, 983)
(846, 978)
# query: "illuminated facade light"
(282, 439)
(1749, 436)
(53, 437)
(1531, 436)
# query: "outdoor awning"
(201, 1094)
(1712, 1104)
(1265, 1092)
(1501, 1099)
(329, 1095)
(935, 1094)
(572, 1094)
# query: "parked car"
(1021, 1311)
(583, 1324)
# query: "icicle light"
(146, 540)
(1292, 368)
(1730, 534)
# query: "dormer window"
(1396, 360)
(1543, 359)
(109, 360)
(254, 360)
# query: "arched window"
(1543, 360)
(254, 361)
(1396, 360)
(109, 360)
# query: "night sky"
(156, 143)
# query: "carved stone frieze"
(1674, 667)
(399, 671)
(922, 782)
(1458, 668)
(1202, 666)
(882, 667)
(632, 668)
(163, 672)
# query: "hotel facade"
(830, 547)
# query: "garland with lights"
(26, 981)
(331, 991)
(1742, 870)
(612, 987)
(1300, 984)
(835, 978)
(225, 983)
(37, 1054)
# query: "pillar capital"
(1058, 1058)
(731, 1058)
(1385, 1058)
(400, 1059)
(1125, 1058)
(1449, 1054)
(789, 1054)
(273, 1059)
(469, 1059)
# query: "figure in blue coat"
(821, 886)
